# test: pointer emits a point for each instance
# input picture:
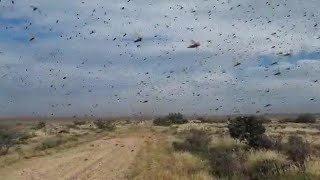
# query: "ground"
(134, 150)
(100, 159)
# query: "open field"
(125, 149)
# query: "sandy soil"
(101, 159)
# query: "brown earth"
(100, 159)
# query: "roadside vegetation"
(201, 148)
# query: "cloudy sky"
(79, 57)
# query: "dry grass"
(157, 160)
(313, 167)
(255, 157)
(33, 147)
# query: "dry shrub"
(162, 121)
(50, 143)
(223, 162)
(286, 120)
(171, 118)
(305, 118)
(39, 125)
(157, 160)
(79, 123)
(302, 118)
(297, 150)
(267, 169)
(8, 138)
(264, 119)
(196, 140)
(105, 124)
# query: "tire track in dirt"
(99, 159)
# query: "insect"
(194, 44)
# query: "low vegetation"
(105, 124)
(302, 118)
(250, 130)
(297, 150)
(253, 154)
(196, 140)
(244, 147)
(8, 138)
(39, 125)
(50, 143)
(79, 122)
(171, 118)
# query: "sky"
(76, 58)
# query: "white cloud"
(162, 70)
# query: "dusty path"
(101, 159)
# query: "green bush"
(171, 118)
(105, 124)
(250, 130)
(196, 140)
(267, 169)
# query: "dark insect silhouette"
(237, 64)
(31, 39)
(138, 40)
(194, 44)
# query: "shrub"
(277, 142)
(267, 169)
(79, 123)
(50, 143)
(297, 150)
(264, 119)
(177, 118)
(216, 120)
(105, 124)
(162, 121)
(40, 125)
(262, 141)
(201, 119)
(305, 118)
(302, 118)
(250, 130)
(8, 138)
(171, 118)
(285, 120)
(196, 140)
(23, 137)
(224, 161)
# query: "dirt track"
(101, 159)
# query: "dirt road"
(101, 159)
